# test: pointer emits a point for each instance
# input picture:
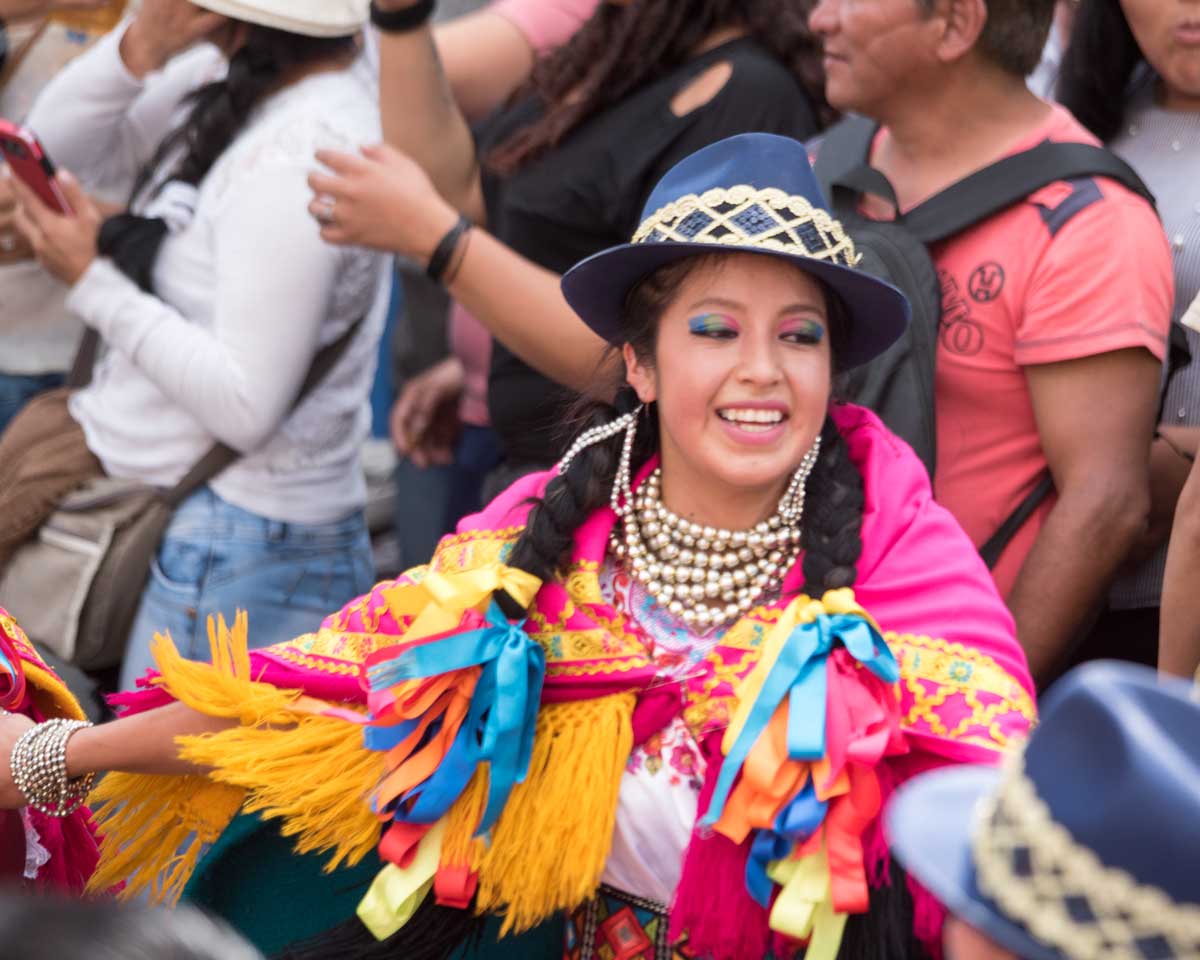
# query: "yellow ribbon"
(396, 893)
(439, 601)
(801, 610)
(804, 907)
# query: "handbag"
(75, 588)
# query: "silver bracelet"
(39, 768)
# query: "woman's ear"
(639, 375)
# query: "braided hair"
(219, 111)
(625, 47)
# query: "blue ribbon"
(499, 726)
(800, 674)
(796, 822)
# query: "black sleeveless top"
(587, 194)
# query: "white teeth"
(751, 417)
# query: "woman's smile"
(754, 423)
(741, 380)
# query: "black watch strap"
(402, 21)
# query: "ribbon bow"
(502, 677)
(794, 664)
(437, 603)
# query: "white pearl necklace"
(703, 575)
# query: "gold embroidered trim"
(1031, 866)
(743, 216)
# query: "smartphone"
(27, 160)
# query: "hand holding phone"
(60, 221)
(30, 164)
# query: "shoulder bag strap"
(221, 456)
(991, 550)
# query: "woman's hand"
(12, 726)
(163, 28)
(381, 199)
(424, 421)
(65, 244)
(13, 245)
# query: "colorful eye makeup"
(712, 324)
(802, 330)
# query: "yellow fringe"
(155, 829)
(224, 687)
(460, 846)
(281, 760)
(317, 777)
(551, 843)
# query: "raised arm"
(420, 115)
(104, 114)
(433, 81)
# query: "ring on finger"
(326, 208)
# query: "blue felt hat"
(753, 193)
(1087, 845)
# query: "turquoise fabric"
(253, 879)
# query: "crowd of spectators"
(247, 198)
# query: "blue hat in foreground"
(1087, 845)
(753, 193)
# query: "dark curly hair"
(219, 111)
(625, 47)
(1099, 67)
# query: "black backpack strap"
(991, 550)
(843, 147)
(221, 456)
(1010, 181)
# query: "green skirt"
(253, 879)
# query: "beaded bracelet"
(39, 768)
(402, 21)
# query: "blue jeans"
(17, 389)
(216, 558)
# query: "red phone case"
(28, 161)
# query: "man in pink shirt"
(1055, 313)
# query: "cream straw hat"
(313, 18)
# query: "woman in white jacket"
(214, 294)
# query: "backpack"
(899, 384)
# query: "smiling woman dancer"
(637, 689)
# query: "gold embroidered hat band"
(753, 193)
(1086, 846)
(1063, 893)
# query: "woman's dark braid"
(621, 49)
(219, 112)
(544, 547)
(833, 515)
